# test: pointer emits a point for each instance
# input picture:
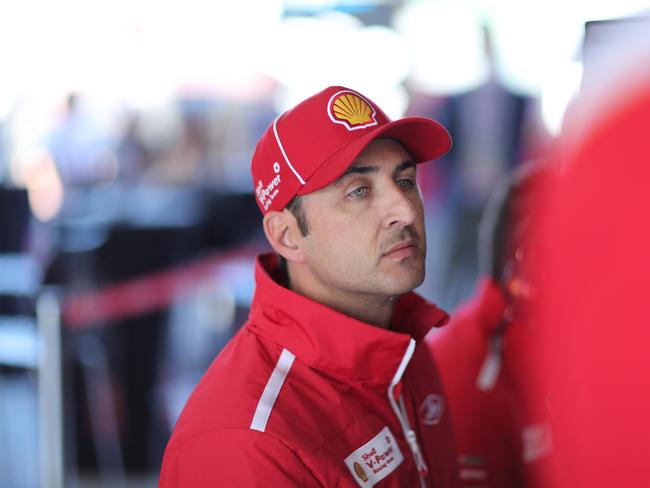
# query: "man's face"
(366, 229)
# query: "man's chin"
(406, 282)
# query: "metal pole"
(50, 391)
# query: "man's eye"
(360, 192)
(406, 183)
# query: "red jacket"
(306, 396)
(500, 441)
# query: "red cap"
(311, 145)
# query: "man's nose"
(399, 210)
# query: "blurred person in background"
(484, 353)
(495, 130)
(594, 266)
(329, 382)
(81, 148)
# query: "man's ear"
(281, 229)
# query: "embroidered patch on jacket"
(375, 460)
(432, 408)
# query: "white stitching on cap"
(277, 138)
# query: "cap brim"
(423, 138)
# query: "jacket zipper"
(400, 411)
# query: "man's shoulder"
(258, 385)
(233, 457)
(463, 334)
(228, 393)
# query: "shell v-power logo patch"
(351, 110)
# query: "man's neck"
(371, 309)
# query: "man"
(484, 354)
(328, 383)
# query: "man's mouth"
(402, 249)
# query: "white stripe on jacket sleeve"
(272, 390)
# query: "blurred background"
(128, 228)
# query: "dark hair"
(492, 231)
(507, 216)
(295, 207)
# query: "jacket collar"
(490, 304)
(330, 341)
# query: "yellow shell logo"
(360, 472)
(351, 110)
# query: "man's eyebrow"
(362, 170)
(356, 170)
(404, 166)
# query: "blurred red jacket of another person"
(594, 291)
(485, 356)
(501, 443)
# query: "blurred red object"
(594, 273)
